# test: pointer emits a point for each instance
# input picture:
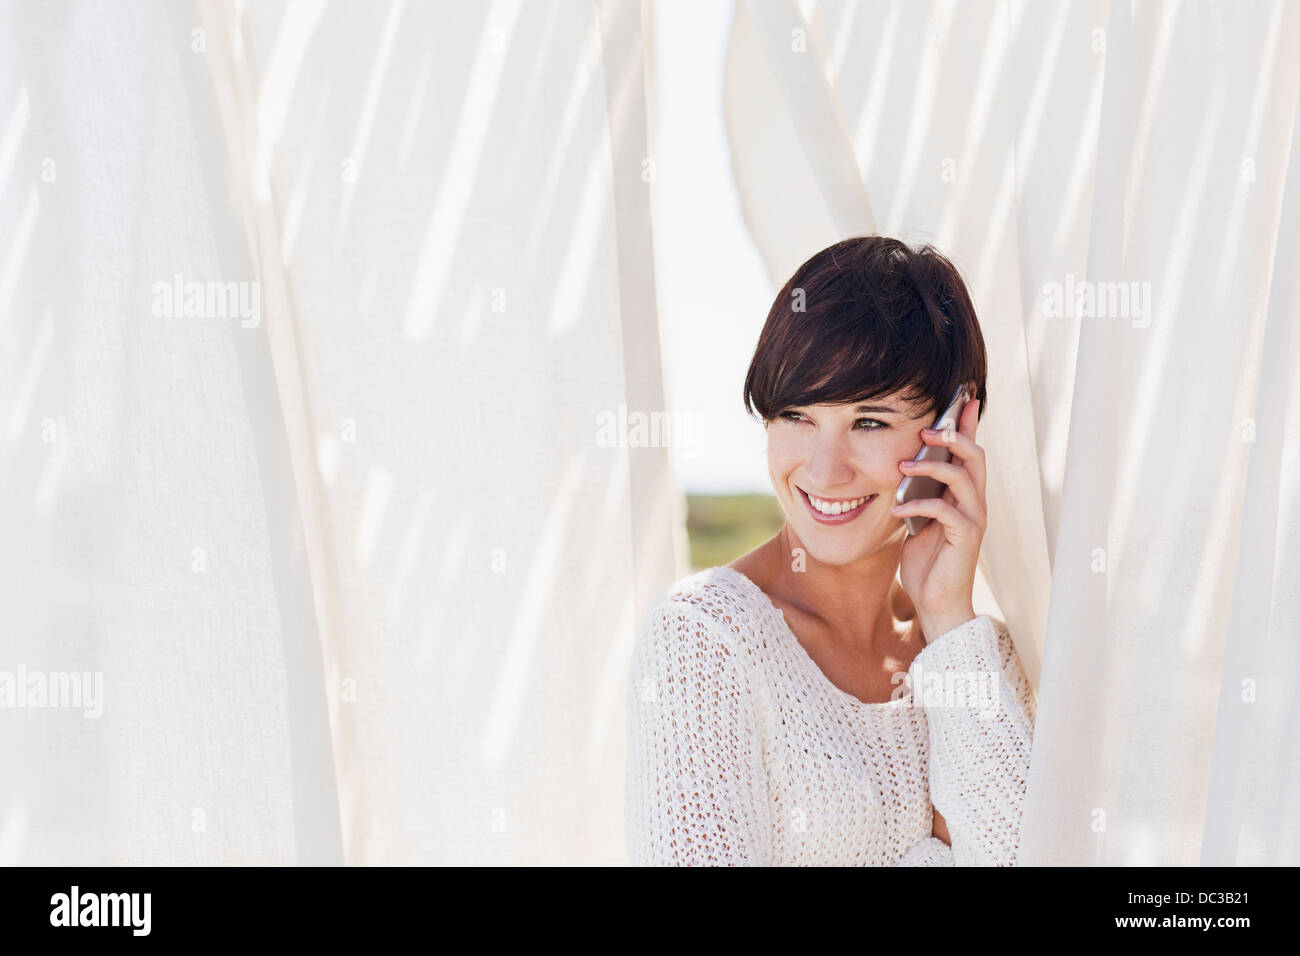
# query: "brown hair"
(861, 319)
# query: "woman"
(776, 706)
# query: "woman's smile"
(834, 510)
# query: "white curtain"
(357, 573)
(1144, 536)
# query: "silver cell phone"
(923, 486)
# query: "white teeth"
(836, 507)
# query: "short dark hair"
(861, 319)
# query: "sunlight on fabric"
(328, 452)
(1156, 67)
(1040, 90)
(456, 179)
(1140, 846)
(614, 502)
(612, 685)
(379, 70)
(13, 833)
(1083, 170)
(408, 551)
(992, 72)
(51, 478)
(369, 280)
(585, 73)
(309, 528)
(452, 547)
(1163, 341)
(16, 255)
(1288, 510)
(15, 127)
(301, 18)
(374, 505)
(840, 44)
(1003, 213)
(530, 612)
(584, 237)
(611, 688)
(303, 183)
(37, 358)
(877, 90)
(472, 316)
(816, 114)
(817, 41)
(1259, 98)
(413, 110)
(594, 203)
(912, 150)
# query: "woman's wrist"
(935, 627)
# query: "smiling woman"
(773, 717)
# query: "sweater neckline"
(801, 653)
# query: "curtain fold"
(1116, 183)
(362, 571)
(150, 541)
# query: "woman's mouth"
(834, 510)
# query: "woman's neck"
(857, 604)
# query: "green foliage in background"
(723, 527)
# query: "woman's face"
(834, 456)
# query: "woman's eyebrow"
(876, 408)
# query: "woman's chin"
(830, 548)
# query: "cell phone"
(923, 486)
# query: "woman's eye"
(791, 416)
(877, 421)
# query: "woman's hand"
(937, 567)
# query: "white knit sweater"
(742, 752)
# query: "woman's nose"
(830, 466)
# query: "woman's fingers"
(961, 443)
(959, 524)
(959, 481)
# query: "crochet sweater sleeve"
(696, 785)
(929, 852)
(980, 710)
